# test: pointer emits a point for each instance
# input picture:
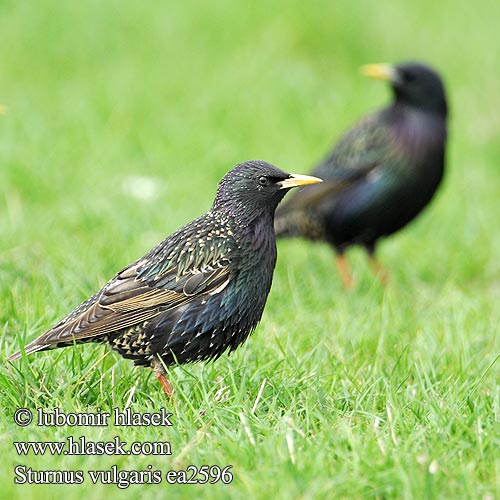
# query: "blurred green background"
(123, 116)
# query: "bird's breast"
(419, 137)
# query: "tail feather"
(285, 225)
(51, 340)
(32, 347)
(297, 223)
(40, 344)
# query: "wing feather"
(359, 152)
(182, 269)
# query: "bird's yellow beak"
(298, 180)
(379, 71)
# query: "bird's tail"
(29, 349)
(285, 223)
(36, 345)
(289, 223)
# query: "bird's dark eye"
(408, 77)
(263, 181)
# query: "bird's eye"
(263, 181)
(408, 77)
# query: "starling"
(199, 292)
(381, 174)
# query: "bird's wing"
(360, 151)
(175, 273)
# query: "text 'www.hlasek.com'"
(82, 445)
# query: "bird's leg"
(344, 271)
(167, 388)
(159, 371)
(380, 272)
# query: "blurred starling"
(381, 174)
(200, 291)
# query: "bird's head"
(254, 188)
(413, 83)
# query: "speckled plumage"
(382, 172)
(199, 292)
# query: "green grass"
(376, 393)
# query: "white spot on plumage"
(220, 288)
(375, 174)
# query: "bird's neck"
(258, 236)
(401, 110)
(434, 105)
(416, 129)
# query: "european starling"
(199, 292)
(381, 174)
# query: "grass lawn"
(122, 117)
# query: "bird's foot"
(344, 271)
(159, 371)
(167, 388)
